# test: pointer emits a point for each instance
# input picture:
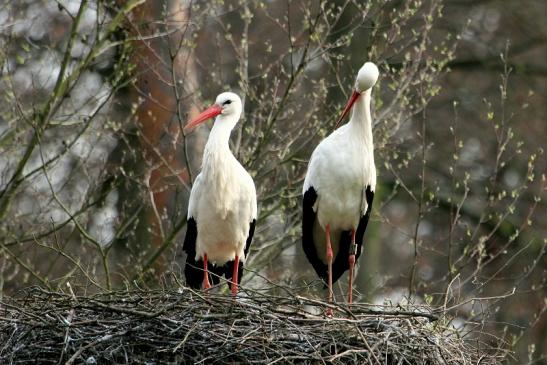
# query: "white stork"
(222, 208)
(339, 188)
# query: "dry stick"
(294, 75)
(47, 163)
(367, 345)
(62, 86)
(26, 266)
(68, 146)
(82, 231)
(91, 344)
(77, 265)
(45, 234)
(178, 98)
(420, 206)
(259, 330)
(159, 251)
(43, 117)
(65, 340)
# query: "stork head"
(366, 78)
(226, 104)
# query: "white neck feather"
(361, 120)
(217, 148)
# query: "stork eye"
(227, 102)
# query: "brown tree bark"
(165, 73)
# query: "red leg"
(329, 264)
(352, 252)
(206, 284)
(235, 276)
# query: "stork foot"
(329, 255)
(351, 260)
(350, 286)
(206, 283)
(235, 276)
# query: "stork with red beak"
(339, 188)
(222, 208)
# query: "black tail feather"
(308, 220)
(193, 270)
(341, 262)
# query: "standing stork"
(339, 188)
(222, 207)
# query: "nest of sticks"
(185, 326)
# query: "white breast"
(339, 171)
(223, 203)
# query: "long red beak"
(208, 113)
(352, 99)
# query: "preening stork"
(222, 208)
(339, 188)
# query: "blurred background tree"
(95, 171)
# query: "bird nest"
(186, 326)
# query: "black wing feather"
(250, 237)
(340, 263)
(193, 270)
(308, 220)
